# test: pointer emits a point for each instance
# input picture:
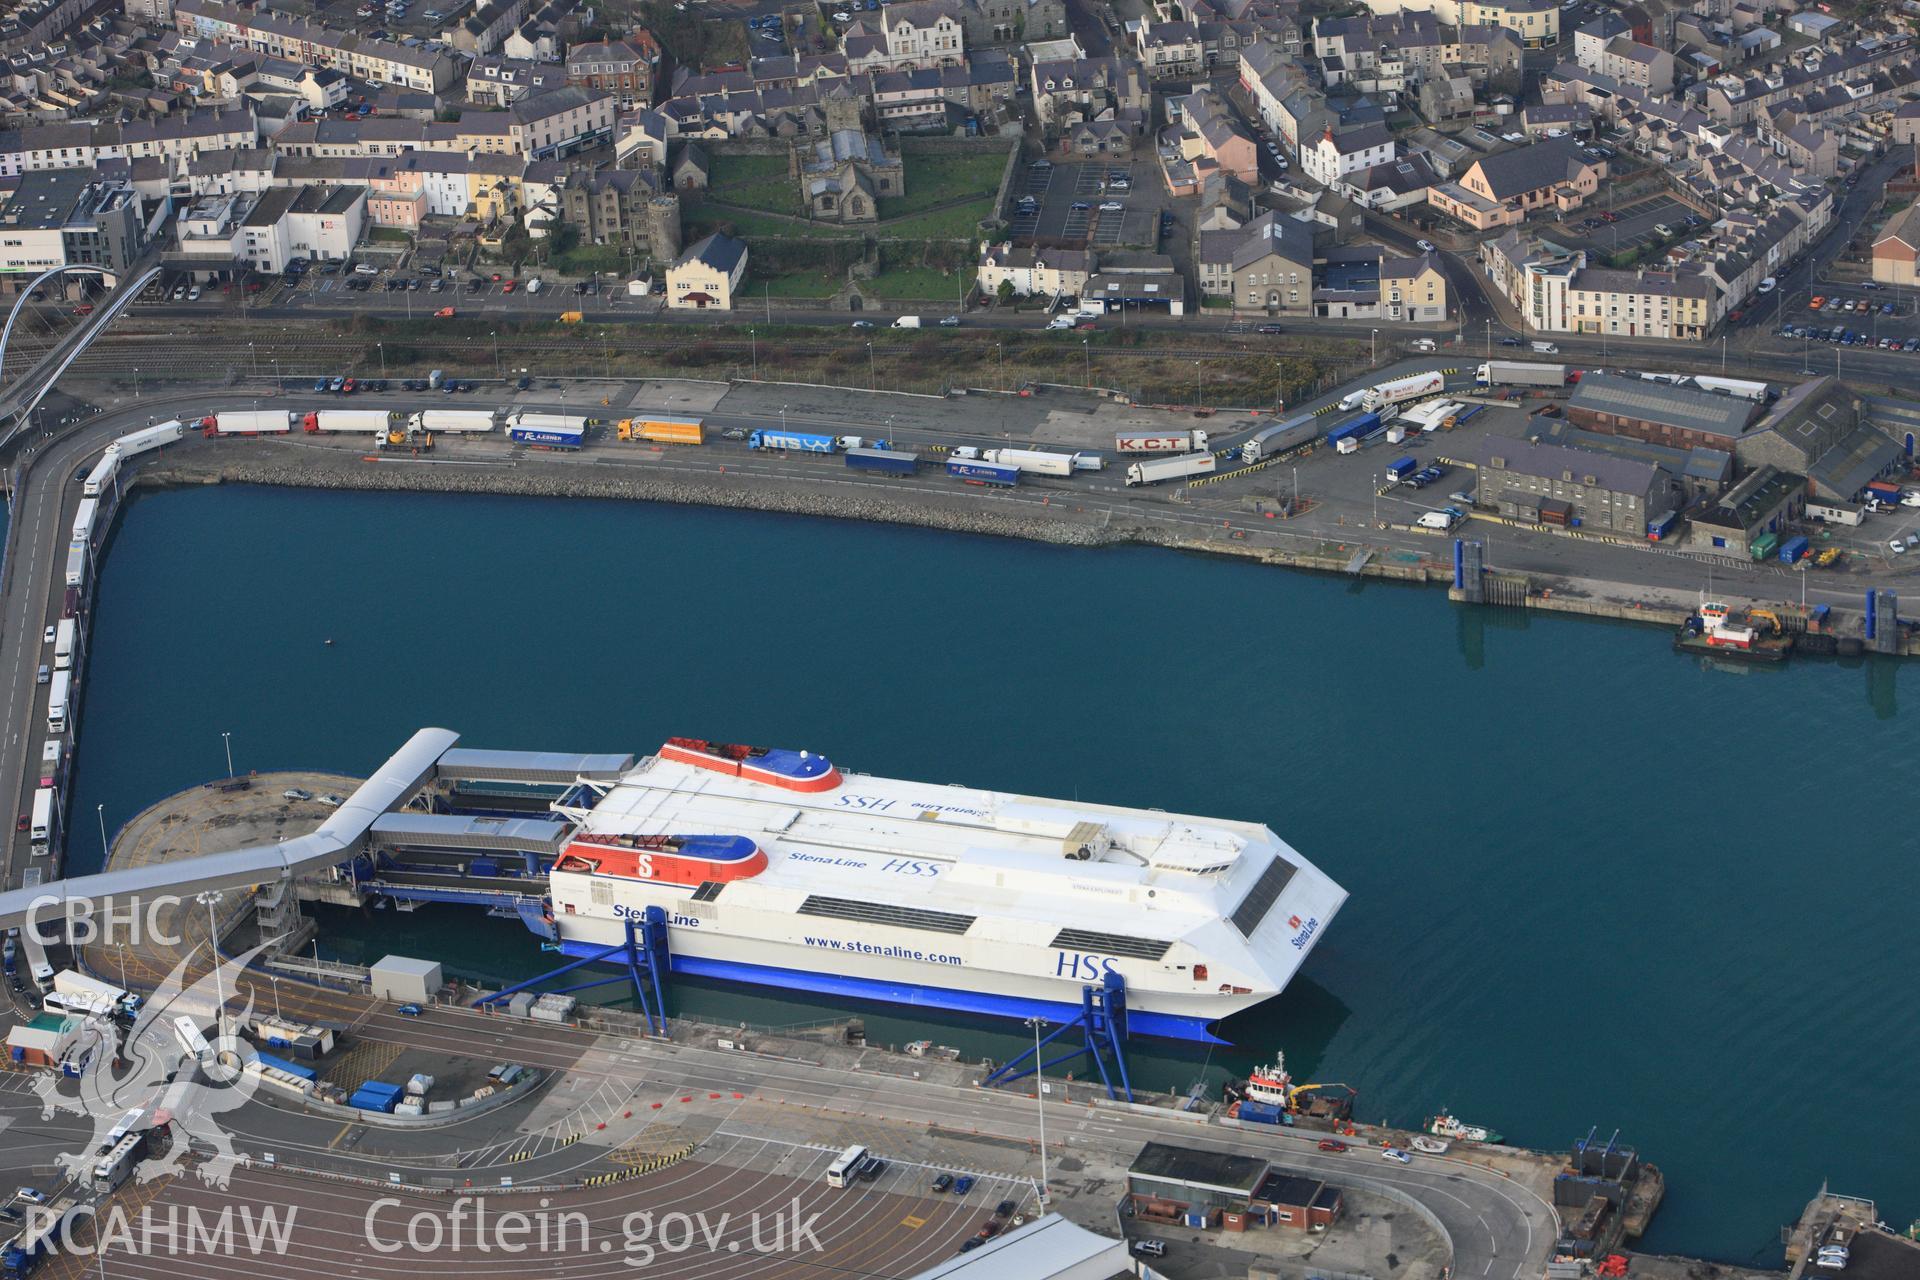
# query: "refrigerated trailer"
(103, 472)
(76, 564)
(1179, 467)
(348, 420)
(255, 422)
(1515, 373)
(1282, 437)
(1032, 461)
(454, 421)
(83, 518)
(1159, 441)
(1396, 391)
(897, 462)
(65, 634)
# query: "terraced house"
(625, 68)
(1536, 22)
(364, 58)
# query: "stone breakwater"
(792, 497)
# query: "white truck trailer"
(1178, 467)
(1034, 462)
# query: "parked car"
(1332, 1144)
(1897, 547)
(963, 1184)
(337, 385)
(951, 322)
(1396, 1154)
(295, 793)
(410, 1010)
(1425, 246)
(1269, 328)
(1081, 206)
(1004, 1209)
(942, 1183)
(1111, 206)
(1149, 1248)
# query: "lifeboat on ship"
(774, 766)
(688, 860)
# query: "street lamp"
(1086, 355)
(227, 739)
(873, 381)
(1373, 346)
(1040, 1104)
(754, 340)
(382, 347)
(100, 810)
(274, 978)
(210, 898)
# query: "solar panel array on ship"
(1260, 899)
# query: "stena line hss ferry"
(775, 868)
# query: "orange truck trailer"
(663, 430)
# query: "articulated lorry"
(1181, 467)
(1033, 461)
(663, 430)
(1514, 373)
(1159, 441)
(349, 420)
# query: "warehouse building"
(1048, 1248)
(1821, 430)
(1702, 472)
(1557, 484)
(1212, 1189)
(1683, 417)
(1762, 504)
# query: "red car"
(346, 388)
(508, 287)
(1332, 1144)
(22, 822)
(84, 309)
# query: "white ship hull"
(946, 897)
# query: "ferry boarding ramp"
(342, 836)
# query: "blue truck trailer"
(898, 462)
(799, 440)
(983, 472)
(1358, 427)
(547, 437)
(1400, 468)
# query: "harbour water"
(1593, 882)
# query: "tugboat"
(1448, 1126)
(1711, 630)
(1271, 1083)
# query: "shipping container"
(1764, 546)
(1258, 1112)
(1400, 468)
(982, 472)
(1281, 438)
(1159, 441)
(347, 420)
(664, 430)
(1658, 529)
(103, 473)
(1181, 467)
(1884, 490)
(893, 461)
(797, 440)
(455, 421)
(256, 422)
(1793, 550)
(1512, 373)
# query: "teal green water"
(1593, 882)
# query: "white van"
(1545, 349)
(1442, 520)
(533, 285)
(1424, 344)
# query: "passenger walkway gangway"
(339, 838)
